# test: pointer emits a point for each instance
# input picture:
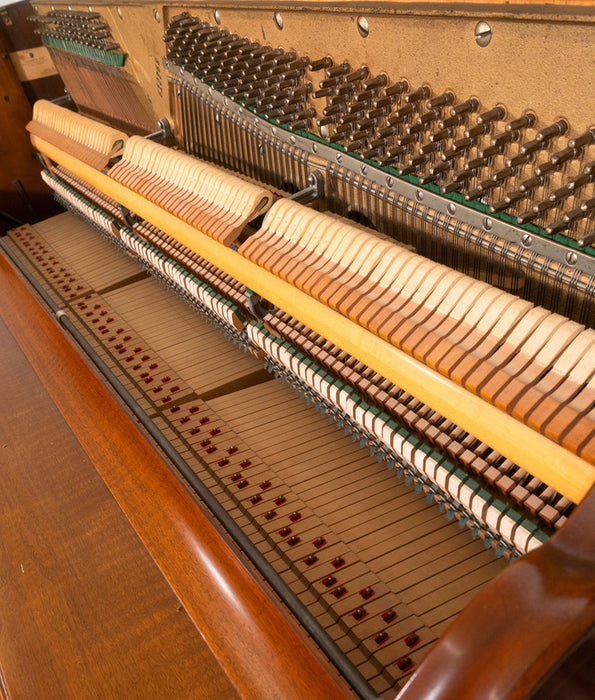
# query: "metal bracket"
(163, 134)
(314, 190)
(64, 101)
(127, 215)
(254, 306)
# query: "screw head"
(451, 207)
(571, 257)
(419, 195)
(483, 33)
(217, 16)
(389, 181)
(339, 157)
(527, 240)
(362, 26)
(487, 223)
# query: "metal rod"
(328, 646)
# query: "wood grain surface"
(84, 610)
(260, 652)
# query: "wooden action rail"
(548, 461)
(477, 458)
(259, 650)
(459, 446)
(203, 195)
(92, 142)
(490, 341)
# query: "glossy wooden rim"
(259, 650)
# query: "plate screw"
(362, 26)
(483, 33)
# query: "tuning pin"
(427, 178)
(378, 112)
(527, 217)
(441, 135)
(484, 187)
(376, 83)
(556, 129)
(503, 138)
(337, 71)
(558, 226)
(431, 147)
(359, 74)
(397, 89)
(453, 186)
(477, 130)
(557, 161)
(531, 184)
(406, 140)
(301, 125)
(451, 122)
(431, 116)
(416, 96)
(519, 159)
(585, 139)
(443, 100)
(331, 119)
(333, 109)
(577, 213)
(410, 168)
(323, 92)
(401, 115)
(490, 151)
(458, 148)
(499, 206)
(571, 217)
(329, 83)
(467, 107)
(321, 64)
(587, 239)
(440, 168)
